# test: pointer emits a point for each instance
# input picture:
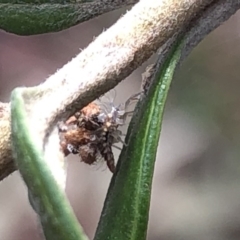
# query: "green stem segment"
(126, 208)
(49, 201)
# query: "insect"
(92, 131)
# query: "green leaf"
(29, 17)
(47, 198)
(126, 208)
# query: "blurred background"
(196, 189)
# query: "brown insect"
(93, 131)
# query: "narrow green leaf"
(49, 201)
(29, 17)
(126, 208)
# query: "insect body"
(93, 131)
